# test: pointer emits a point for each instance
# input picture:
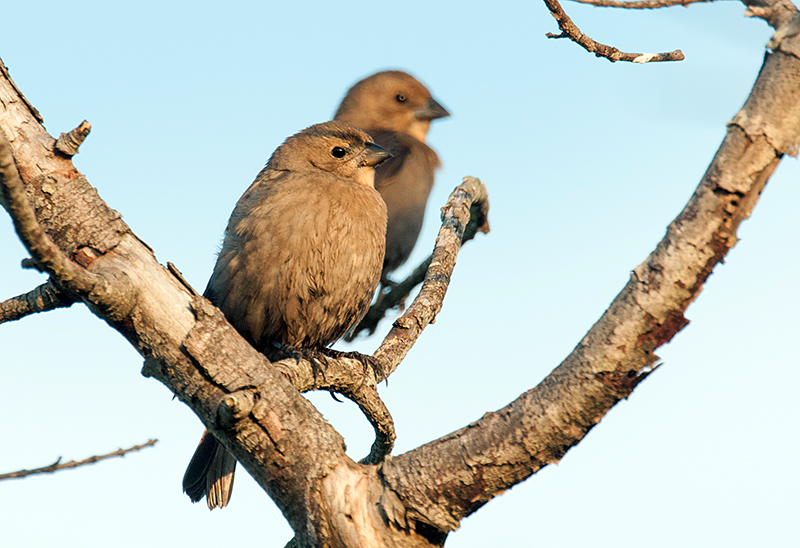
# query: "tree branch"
(456, 217)
(285, 443)
(378, 415)
(57, 465)
(570, 30)
(44, 298)
(480, 461)
(639, 5)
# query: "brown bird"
(300, 261)
(397, 110)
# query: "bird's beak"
(431, 111)
(374, 155)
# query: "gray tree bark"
(254, 407)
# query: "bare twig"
(41, 247)
(74, 464)
(44, 298)
(641, 4)
(570, 30)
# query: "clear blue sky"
(586, 163)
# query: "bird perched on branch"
(397, 110)
(300, 261)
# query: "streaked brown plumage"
(397, 110)
(300, 261)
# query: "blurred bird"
(300, 261)
(397, 110)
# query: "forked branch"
(570, 30)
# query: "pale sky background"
(586, 163)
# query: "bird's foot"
(312, 356)
(368, 362)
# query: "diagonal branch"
(570, 30)
(282, 440)
(468, 201)
(370, 403)
(503, 448)
(58, 465)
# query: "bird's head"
(335, 147)
(391, 100)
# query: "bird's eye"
(400, 98)
(338, 152)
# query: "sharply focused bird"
(397, 110)
(300, 261)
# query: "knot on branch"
(234, 407)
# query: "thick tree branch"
(570, 30)
(503, 448)
(44, 298)
(283, 441)
(58, 465)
